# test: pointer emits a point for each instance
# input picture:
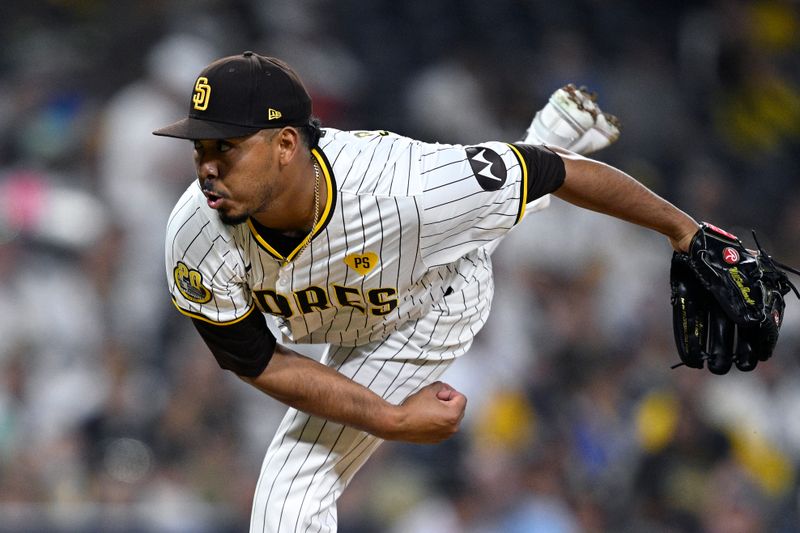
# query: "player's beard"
(265, 193)
(233, 220)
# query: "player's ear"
(288, 143)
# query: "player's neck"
(293, 210)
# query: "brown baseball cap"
(240, 95)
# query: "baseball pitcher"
(374, 244)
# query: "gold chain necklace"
(316, 211)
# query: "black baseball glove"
(727, 302)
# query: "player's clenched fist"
(431, 415)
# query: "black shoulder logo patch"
(487, 166)
(190, 284)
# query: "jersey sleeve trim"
(523, 184)
(198, 316)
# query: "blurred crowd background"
(115, 417)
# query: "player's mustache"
(208, 188)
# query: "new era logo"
(273, 114)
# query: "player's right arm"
(248, 348)
(431, 415)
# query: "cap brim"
(192, 128)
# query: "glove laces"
(777, 265)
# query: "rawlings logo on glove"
(727, 302)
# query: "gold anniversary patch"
(190, 284)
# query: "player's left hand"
(727, 301)
(573, 120)
(431, 415)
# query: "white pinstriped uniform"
(397, 280)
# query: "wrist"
(681, 237)
(390, 422)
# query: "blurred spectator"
(140, 179)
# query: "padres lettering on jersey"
(406, 224)
(377, 302)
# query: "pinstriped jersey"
(406, 231)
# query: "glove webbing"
(777, 265)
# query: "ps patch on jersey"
(488, 167)
(190, 284)
(362, 263)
